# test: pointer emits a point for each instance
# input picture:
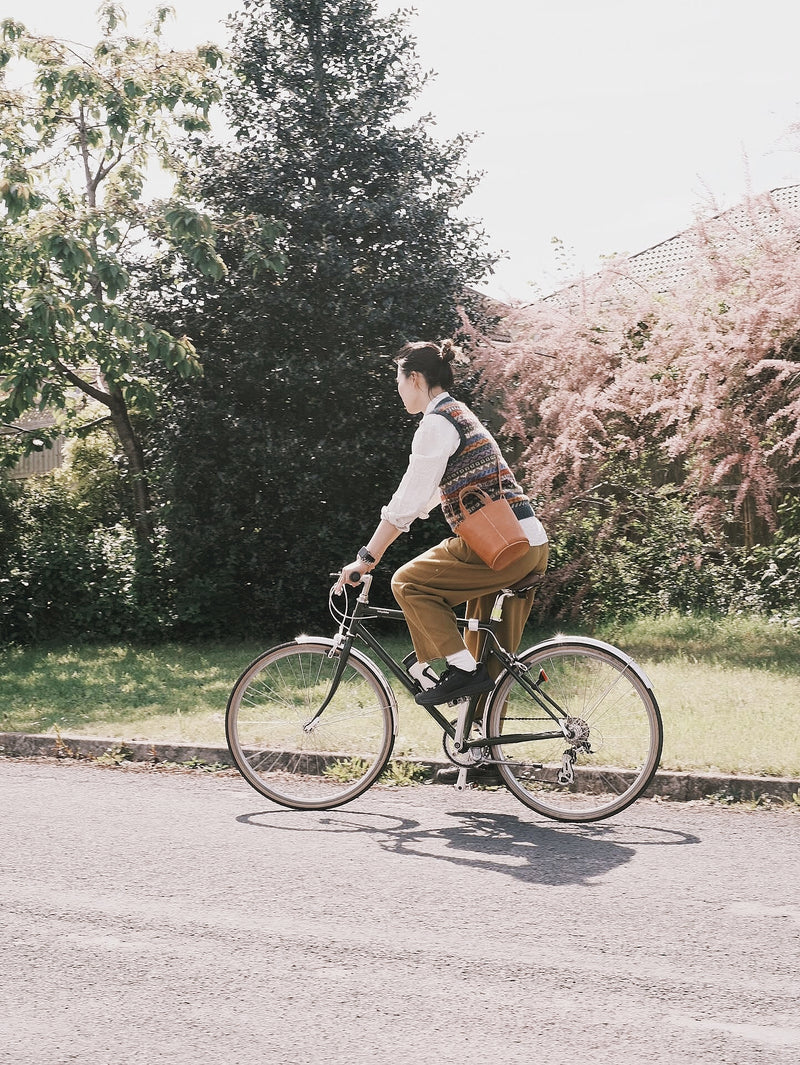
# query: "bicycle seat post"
(497, 609)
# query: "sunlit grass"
(172, 691)
(729, 691)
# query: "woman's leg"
(516, 612)
(429, 587)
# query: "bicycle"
(571, 726)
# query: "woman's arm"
(381, 539)
(434, 442)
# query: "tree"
(76, 149)
(279, 464)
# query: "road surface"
(156, 917)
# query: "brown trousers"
(430, 586)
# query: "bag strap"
(481, 491)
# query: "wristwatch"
(364, 556)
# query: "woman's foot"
(455, 684)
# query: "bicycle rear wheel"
(287, 752)
(612, 718)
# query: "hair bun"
(448, 351)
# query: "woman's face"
(413, 391)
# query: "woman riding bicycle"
(451, 451)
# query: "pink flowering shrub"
(687, 384)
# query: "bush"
(62, 574)
(95, 476)
(632, 550)
(772, 572)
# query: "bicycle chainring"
(471, 757)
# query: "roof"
(666, 263)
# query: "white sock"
(463, 660)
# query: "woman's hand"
(384, 535)
(358, 567)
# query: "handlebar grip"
(355, 578)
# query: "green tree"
(280, 461)
(76, 148)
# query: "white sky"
(606, 123)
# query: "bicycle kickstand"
(461, 784)
(461, 730)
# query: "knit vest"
(474, 464)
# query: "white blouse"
(435, 440)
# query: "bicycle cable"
(341, 617)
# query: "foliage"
(276, 466)
(61, 574)
(692, 383)
(403, 773)
(92, 476)
(76, 148)
(631, 549)
(773, 570)
(344, 770)
(114, 756)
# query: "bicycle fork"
(336, 650)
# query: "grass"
(168, 692)
(728, 689)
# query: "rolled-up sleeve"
(435, 440)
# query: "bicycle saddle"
(521, 588)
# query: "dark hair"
(431, 360)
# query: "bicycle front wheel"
(296, 748)
(598, 751)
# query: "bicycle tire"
(287, 755)
(613, 710)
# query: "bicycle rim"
(614, 719)
(291, 755)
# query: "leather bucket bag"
(493, 531)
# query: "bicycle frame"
(352, 627)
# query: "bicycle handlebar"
(353, 579)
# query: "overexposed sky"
(606, 123)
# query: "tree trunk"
(115, 401)
(136, 469)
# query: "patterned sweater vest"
(474, 464)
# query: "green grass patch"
(728, 691)
(168, 692)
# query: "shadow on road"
(491, 841)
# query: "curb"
(667, 784)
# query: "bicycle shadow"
(530, 852)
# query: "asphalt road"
(172, 917)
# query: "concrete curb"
(677, 787)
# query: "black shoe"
(456, 684)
